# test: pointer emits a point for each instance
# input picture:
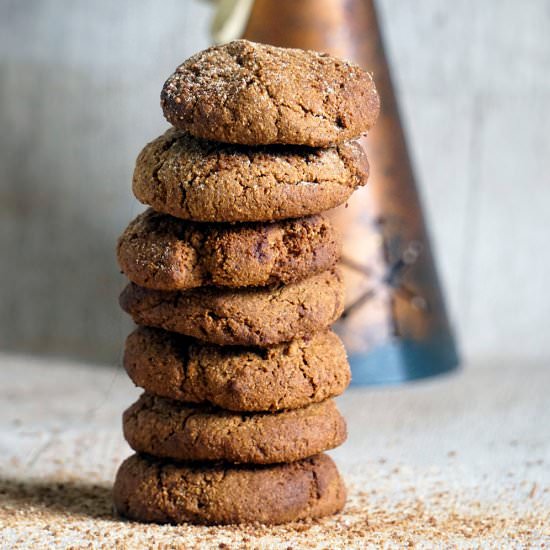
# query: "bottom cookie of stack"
(152, 490)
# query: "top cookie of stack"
(243, 93)
(256, 94)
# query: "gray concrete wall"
(79, 87)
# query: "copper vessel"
(395, 326)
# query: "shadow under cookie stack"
(234, 286)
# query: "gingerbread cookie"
(164, 492)
(284, 376)
(160, 252)
(200, 180)
(249, 93)
(250, 317)
(170, 429)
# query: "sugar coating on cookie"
(248, 316)
(161, 252)
(283, 376)
(158, 491)
(253, 94)
(202, 180)
(170, 429)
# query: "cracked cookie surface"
(163, 492)
(249, 316)
(161, 252)
(284, 376)
(253, 94)
(170, 429)
(201, 180)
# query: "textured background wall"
(79, 86)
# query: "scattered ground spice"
(68, 512)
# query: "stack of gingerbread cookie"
(234, 288)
